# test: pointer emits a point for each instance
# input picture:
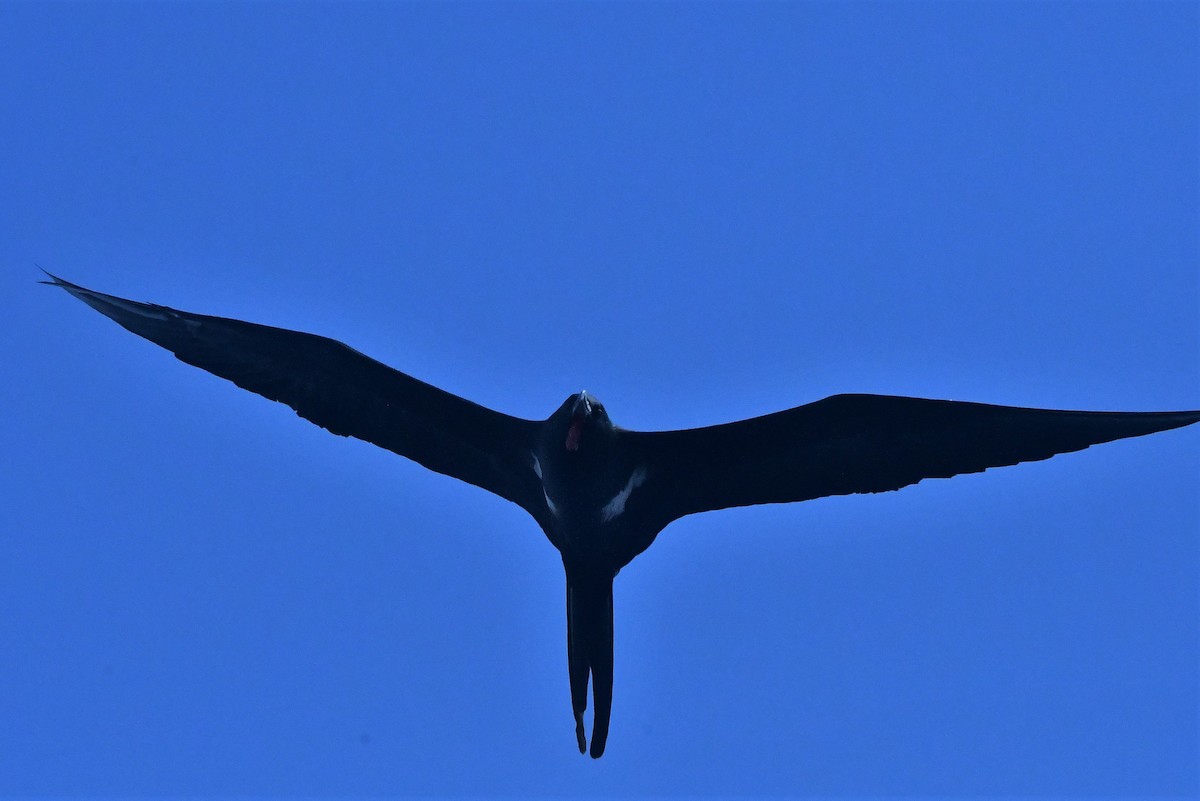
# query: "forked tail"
(590, 651)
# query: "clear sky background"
(698, 212)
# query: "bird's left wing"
(861, 443)
(344, 392)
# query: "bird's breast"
(588, 511)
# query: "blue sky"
(699, 213)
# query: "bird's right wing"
(861, 443)
(344, 392)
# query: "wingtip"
(580, 734)
(1181, 419)
(88, 296)
(54, 279)
(61, 283)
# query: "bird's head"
(581, 418)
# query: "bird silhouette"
(602, 493)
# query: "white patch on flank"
(537, 468)
(616, 506)
(550, 503)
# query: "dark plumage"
(602, 493)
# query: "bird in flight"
(602, 493)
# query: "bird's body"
(602, 493)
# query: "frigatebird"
(602, 493)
